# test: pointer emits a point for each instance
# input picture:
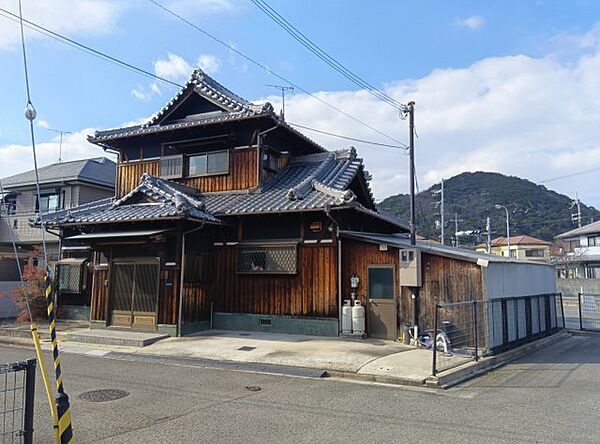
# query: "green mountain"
(534, 210)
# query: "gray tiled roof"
(234, 108)
(209, 88)
(99, 171)
(311, 182)
(592, 228)
(164, 201)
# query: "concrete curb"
(470, 370)
(368, 377)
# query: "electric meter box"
(410, 267)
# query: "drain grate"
(246, 348)
(103, 395)
(253, 388)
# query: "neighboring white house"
(580, 257)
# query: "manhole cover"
(253, 388)
(246, 348)
(103, 395)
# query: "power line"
(56, 36)
(354, 139)
(566, 176)
(106, 57)
(269, 70)
(323, 55)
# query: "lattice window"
(281, 259)
(171, 167)
(71, 278)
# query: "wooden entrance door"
(382, 321)
(134, 292)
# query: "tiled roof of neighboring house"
(314, 181)
(98, 171)
(592, 228)
(519, 240)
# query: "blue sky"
(485, 76)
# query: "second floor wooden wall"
(242, 174)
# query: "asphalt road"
(550, 396)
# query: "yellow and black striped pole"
(65, 429)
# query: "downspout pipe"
(338, 239)
(181, 278)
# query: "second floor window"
(208, 163)
(48, 203)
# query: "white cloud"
(536, 118)
(174, 68)
(73, 18)
(473, 22)
(210, 64)
(41, 123)
(202, 7)
(16, 158)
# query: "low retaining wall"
(276, 324)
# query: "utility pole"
(410, 109)
(442, 216)
(283, 89)
(576, 216)
(507, 226)
(488, 229)
(456, 221)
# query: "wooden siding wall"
(311, 292)
(168, 300)
(356, 258)
(99, 294)
(444, 279)
(242, 174)
(128, 174)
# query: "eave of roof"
(434, 248)
(592, 228)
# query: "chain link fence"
(466, 331)
(17, 390)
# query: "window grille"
(171, 167)
(71, 277)
(268, 259)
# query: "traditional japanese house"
(226, 217)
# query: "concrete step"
(116, 337)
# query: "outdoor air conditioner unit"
(410, 267)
